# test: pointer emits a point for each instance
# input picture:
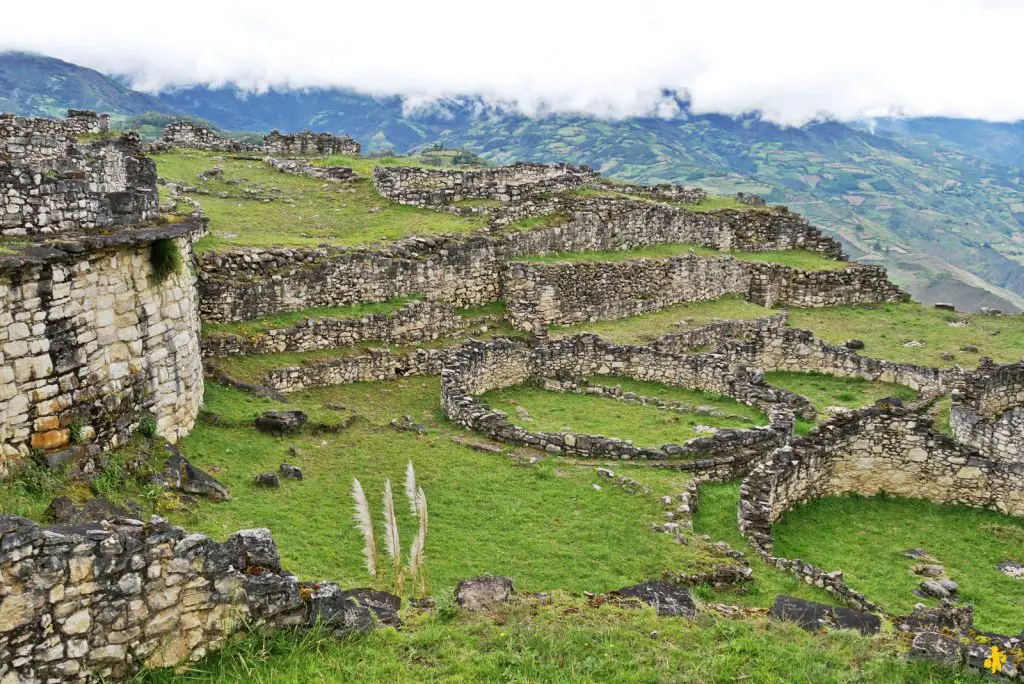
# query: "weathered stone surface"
(933, 589)
(815, 616)
(667, 598)
(938, 647)
(281, 422)
(291, 472)
(268, 479)
(480, 592)
(63, 510)
(182, 476)
(309, 143)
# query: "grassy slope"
(967, 542)
(643, 329)
(566, 641)
(886, 328)
(796, 258)
(647, 426)
(290, 319)
(345, 214)
(826, 391)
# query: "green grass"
(646, 426)
(648, 327)
(488, 515)
(546, 221)
(795, 258)
(565, 641)
(290, 319)
(886, 328)
(709, 203)
(866, 538)
(826, 391)
(342, 214)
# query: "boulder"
(253, 549)
(814, 616)
(854, 344)
(268, 479)
(946, 616)
(480, 592)
(933, 589)
(291, 472)
(945, 306)
(929, 570)
(666, 597)
(63, 510)
(180, 475)
(938, 647)
(281, 422)
(970, 348)
(354, 610)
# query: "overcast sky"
(792, 59)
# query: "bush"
(147, 425)
(165, 257)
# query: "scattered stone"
(814, 616)
(668, 599)
(854, 344)
(945, 306)
(970, 348)
(407, 424)
(929, 570)
(933, 589)
(949, 585)
(291, 472)
(480, 592)
(268, 479)
(1012, 569)
(947, 356)
(523, 413)
(63, 510)
(281, 422)
(354, 610)
(938, 647)
(479, 445)
(605, 472)
(596, 487)
(914, 343)
(180, 475)
(918, 554)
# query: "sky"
(794, 60)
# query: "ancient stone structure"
(881, 448)
(662, 192)
(51, 184)
(370, 365)
(310, 144)
(79, 123)
(715, 333)
(187, 134)
(97, 601)
(242, 284)
(417, 321)
(477, 367)
(302, 167)
(988, 411)
(573, 292)
(424, 187)
(91, 342)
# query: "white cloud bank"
(794, 60)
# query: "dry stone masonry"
(302, 167)
(988, 411)
(191, 135)
(309, 144)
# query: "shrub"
(165, 257)
(147, 425)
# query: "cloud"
(794, 60)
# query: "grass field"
(885, 330)
(647, 327)
(343, 214)
(796, 258)
(566, 641)
(290, 319)
(646, 426)
(826, 391)
(866, 538)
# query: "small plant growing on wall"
(414, 572)
(147, 425)
(165, 258)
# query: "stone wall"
(464, 270)
(191, 135)
(54, 185)
(373, 365)
(302, 167)
(715, 333)
(477, 367)
(415, 322)
(882, 448)
(574, 292)
(792, 349)
(79, 123)
(308, 143)
(99, 601)
(425, 187)
(89, 342)
(988, 410)
(662, 192)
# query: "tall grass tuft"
(391, 542)
(364, 522)
(410, 487)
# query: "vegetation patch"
(867, 537)
(540, 410)
(827, 392)
(165, 258)
(891, 331)
(290, 319)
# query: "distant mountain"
(940, 202)
(34, 85)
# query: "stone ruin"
(309, 144)
(988, 410)
(191, 135)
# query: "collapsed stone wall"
(715, 333)
(417, 321)
(301, 167)
(988, 410)
(78, 123)
(89, 342)
(795, 350)
(373, 365)
(309, 143)
(55, 185)
(424, 187)
(573, 292)
(881, 448)
(252, 283)
(662, 192)
(99, 601)
(195, 136)
(477, 367)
